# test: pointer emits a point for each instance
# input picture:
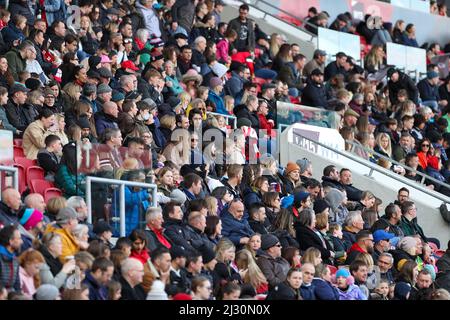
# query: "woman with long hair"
(35, 134)
(30, 263)
(383, 145)
(424, 152)
(374, 60)
(178, 150)
(283, 56)
(255, 192)
(283, 228)
(6, 77)
(68, 178)
(213, 228)
(272, 202)
(250, 272)
(225, 269)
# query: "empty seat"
(34, 173)
(40, 185)
(18, 142)
(22, 177)
(18, 152)
(24, 162)
(52, 193)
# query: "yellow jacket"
(69, 243)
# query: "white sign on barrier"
(418, 5)
(334, 41)
(408, 58)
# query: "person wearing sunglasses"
(271, 263)
(424, 152)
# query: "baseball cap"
(316, 72)
(319, 52)
(129, 65)
(382, 235)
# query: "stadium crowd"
(137, 90)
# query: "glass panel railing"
(333, 42)
(411, 60)
(289, 113)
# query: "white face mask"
(146, 116)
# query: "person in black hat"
(84, 124)
(268, 94)
(178, 281)
(94, 62)
(314, 94)
(17, 98)
(271, 263)
(103, 232)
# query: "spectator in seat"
(66, 222)
(336, 67)
(68, 178)
(409, 36)
(35, 133)
(354, 223)
(235, 226)
(154, 230)
(429, 91)
(9, 206)
(364, 243)
(195, 231)
(132, 276)
(323, 288)
(345, 177)
(274, 267)
(289, 289)
(31, 227)
(106, 118)
(314, 94)
(48, 158)
(347, 290)
(385, 263)
(318, 62)
(393, 215)
(307, 289)
(13, 109)
(330, 178)
(257, 216)
(18, 56)
(398, 81)
(98, 277)
(10, 243)
(409, 223)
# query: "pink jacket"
(26, 283)
(222, 50)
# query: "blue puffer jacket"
(235, 229)
(323, 290)
(104, 121)
(352, 293)
(11, 33)
(136, 204)
(9, 270)
(218, 101)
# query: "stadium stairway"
(366, 176)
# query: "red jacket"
(266, 125)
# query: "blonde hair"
(274, 46)
(310, 255)
(54, 204)
(380, 136)
(254, 276)
(71, 89)
(168, 121)
(211, 205)
(366, 258)
(223, 245)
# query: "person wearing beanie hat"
(321, 206)
(305, 168)
(271, 263)
(302, 200)
(402, 291)
(291, 177)
(429, 91)
(33, 84)
(117, 96)
(89, 89)
(346, 287)
(94, 62)
(215, 95)
(66, 222)
(182, 296)
(103, 88)
(31, 226)
(243, 122)
(103, 232)
(157, 291)
(47, 292)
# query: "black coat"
(257, 226)
(284, 291)
(54, 264)
(308, 238)
(175, 231)
(314, 95)
(7, 216)
(129, 293)
(241, 111)
(404, 82)
(152, 240)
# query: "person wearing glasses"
(274, 267)
(201, 288)
(424, 152)
(364, 243)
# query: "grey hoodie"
(338, 212)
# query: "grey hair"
(125, 79)
(75, 202)
(167, 62)
(152, 213)
(142, 34)
(306, 217)
(351, 217)
(199, 39)
(387, 255)
(79, 230)
(425, 110)
(128, 264)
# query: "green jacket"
(71, 185)
(15, 62)
(411, 228)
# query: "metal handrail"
(423, 175)
(15, 172)
(122, 184)
(377, 168)
(253, 4)
(227, 117)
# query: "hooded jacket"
(324, 290)
(150, 18)
(69, 243)
(352, 293)
(274, 269)
(9, 270)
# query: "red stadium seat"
(18, 152)
(52, 193)
(33, 173)
(18, 142)
(40, 185)
(24, 162)
(333, 269)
